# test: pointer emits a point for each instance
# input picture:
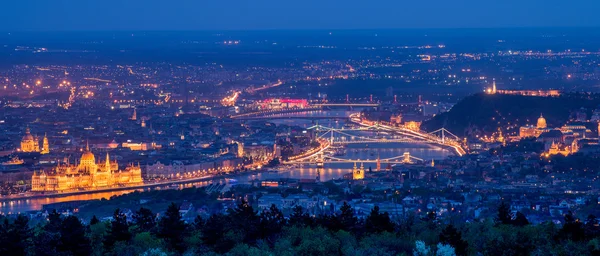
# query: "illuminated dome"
(88, 157)
(28, 136)
(541, 122)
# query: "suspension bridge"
(389, 134)
(329, 137)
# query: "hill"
(484, 113)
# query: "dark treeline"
(244, 231)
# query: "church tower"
(45, 145)
(107, 164)
(134, 116)
(358, 174)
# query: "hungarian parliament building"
(86, 175)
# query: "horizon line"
(293, 29)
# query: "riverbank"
(133, 188)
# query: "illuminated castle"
(87, 175)
(29, 143)
(534, 131)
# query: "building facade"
(86, 175)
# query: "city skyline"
(431, 128)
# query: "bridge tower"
(318, 178)
(347, 98)
(331, 137)
(443, 137)
(320, 161)
(371, 98)
(406, 158)
(378, 163)
(395, 99)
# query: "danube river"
(354, 152)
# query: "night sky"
(51, 15)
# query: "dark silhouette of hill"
(484, 113)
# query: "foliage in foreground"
(244, 231)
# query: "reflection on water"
(23, 205)
(331, 170)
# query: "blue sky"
(51, 15)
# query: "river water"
(331, 171)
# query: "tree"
(245, 221)
(504, 216)
(144, 220)
(118, 231)
(73, 237)
(444, 250)
(46, 243)
(173, 229)
(48, 238)
(15, 237)
(572, 229)
(213, 233)
(450, 235)
(54, 222)
(94, 220)
(346, 217)
(271, 223)
(520, 220)
(198, 223)
(299, 217)
(97, 234)
(421, 249)
(377, 222)
(591, 227)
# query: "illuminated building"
(240, 149)
(538, 93)
(87, 175)
(413, 125)
(575, 130)
(45, 145)
(134, 116)
(14, 161)
(534, 131)
(396, 119)
(273, 104)
(135, 146)
(494, 87)
(541, 122)
(358, 174)
(555, 150)
(29, 143)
